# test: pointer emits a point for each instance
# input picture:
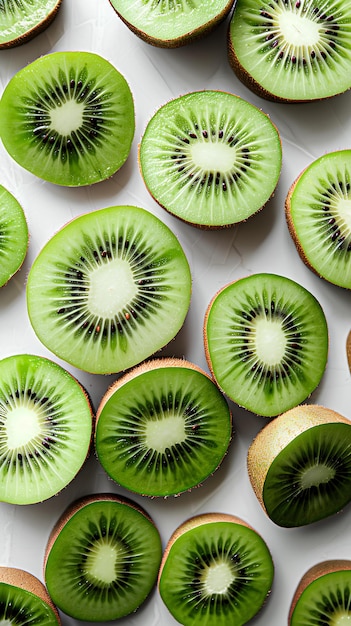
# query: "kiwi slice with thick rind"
(21, 20)
(46, 428)
(318, 213)
(68, 118)
(266, 342)
(162, 428)
(102, 558)
(24, 599)
(109, 289)
(211, 158)
(13, 236)
(216, 570)
(299, 465)
(292, 51)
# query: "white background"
(261, 244)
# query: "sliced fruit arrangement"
(162, 428)
(68, 118)
(318, 213)
(46, 428)
(21, 20)
(210, 158)
(13, 236)
(292, 51)
(171, 23)
(24, 599)
(266, 342)
(109, 289)
(102, 558)
(216, 570)
(299, 465)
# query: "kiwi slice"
(292, 51)
(109, 289)
(24, 600)
(21, 20)
(102, 558)
(68, 118)
(318, 210)
(299, 465)
(162, 428)
(45, 426)
(216, 570)
(13, 236)
(266, 342)
(210, 158)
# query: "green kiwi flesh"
(292, 51)
(13, 236)
(318, 212)
(266, 342)
(68, 118)
(21, 20)
(46, 428)
(216, 570)
(109, 289)
(210, 158)
(24, 600)
(102, 558)
(162, 428)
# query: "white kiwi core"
(217, 578)
(316, 475)
(341, 619)
(67, 117)
(111, 287)
(213, 157)
(22, 426)
(164, 433)
(270, 341)
(101, 562)
(298, 30)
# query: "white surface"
(261, 244)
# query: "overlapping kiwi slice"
(318, 212)
(24, 600)
(21, 20)
(13, 236)
(109, 289)
(163, 428)
(45, 428)
(216, 570)
(68, 118)
(300, 465)
(292, 50)
(266, 342)
(210, 158)
(102, 558)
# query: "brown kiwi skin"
(25, 580)
(33, 32)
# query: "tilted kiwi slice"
(109, 289)
(13, 236)
(68, 118)
(24, 600)
(163, 428)
(318, 212)
(266, 342)
(102, 558)
(210, 158)
(216, 570)
(45, 426)
(292, 51)
(21, 20)
(300, 465)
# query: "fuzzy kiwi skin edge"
(24, 580)
(33, 32)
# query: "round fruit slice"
(109, 289)
(266, 342)
(45, 428)
(210, 158)
(24, 600)
(163, 428)
(292, 51)
(102, 558)
(318, 212)
(13, 236)
(21, 20)
(68, 118)
(300, 465)
(216, 570)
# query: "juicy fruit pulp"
(20, 20)
(13, 236)
(24, 600)
(68, 117)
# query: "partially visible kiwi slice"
(163, 428)
(45, 428)
(216, 570)
(210, 158)
(21, 20)
(68, 118)
(266, 342)
(24, 600)
(109, 289)
(299, 465)
(292, 51)
(102, 558)
(318, 213)
(13, 236)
